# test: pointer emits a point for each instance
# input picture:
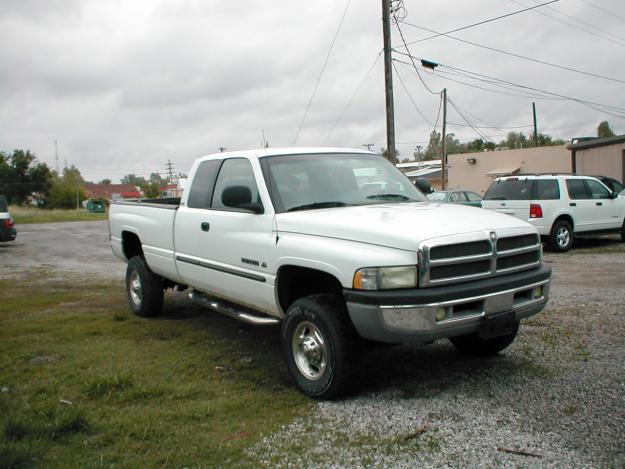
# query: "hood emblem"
(493, 236)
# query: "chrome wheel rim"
(309, 350)
(563, 236)
(136, 293)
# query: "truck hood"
(401, 226)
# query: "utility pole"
(535, 126)
(444, 158)
(170, 171)
(368, 145)
(222, 149)
(388, 81)
(56, 156)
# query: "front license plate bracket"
(497, 325)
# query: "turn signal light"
(536, 211)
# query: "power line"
(519, 56)
(585, 102)
(401, 34)
(590, 25)
(442, 74)
(602, 9)
(403, 84)
(479, 23)
(360, 85)
(482, 136)
(590, 104)
(325, 63)
(592, 33)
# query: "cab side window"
(597, 190)
(203, 183)
(458, 197)
(576, 189)
(236, 187)
(473, 197)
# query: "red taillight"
(8, 222)
(536, 211)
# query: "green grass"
(25, 215)
(83, 383)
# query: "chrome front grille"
(444, 261)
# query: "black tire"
(561, 237)
(471, 344)
(144, 288)
(320, 345)
(623, 231)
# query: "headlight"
(385, 278)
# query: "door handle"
(599, 203)
(205, 226)
(573, 204)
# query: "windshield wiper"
(390, 197)
(316, 205)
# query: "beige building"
(600, 156)
(476, 171)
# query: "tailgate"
(516, 208)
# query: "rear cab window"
(510, 189)
(203, 183)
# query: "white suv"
(559, 206)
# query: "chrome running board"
(233, 310)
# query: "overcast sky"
(125, 86)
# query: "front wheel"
(318, 342)
(623, 231)
(144, 288)
(561, 237)
(471, 344)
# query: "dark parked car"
(463, 197)
(7, 225)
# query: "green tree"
(105, 181)
(385, 155)
(151, 190)
(21, 174)
(133, 179)
(604, 130)
(67, 191)
(434, 148)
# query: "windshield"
(305, 182)
(437, 196)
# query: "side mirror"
(424, 185)
(240, 197)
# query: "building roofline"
(597, 142)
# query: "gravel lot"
(555, 398)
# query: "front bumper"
(401, 316)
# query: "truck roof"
(263, 152)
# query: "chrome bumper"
(431, 320)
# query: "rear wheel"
(471, 344)
(623, 231)
(561, 237)
(319, 344)
(144, 288)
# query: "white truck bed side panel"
(154, 227)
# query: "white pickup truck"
(338, 246)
